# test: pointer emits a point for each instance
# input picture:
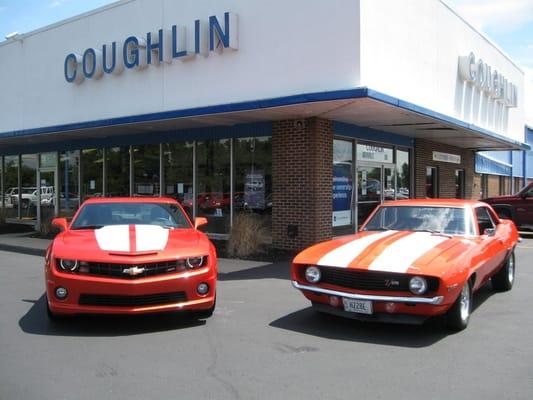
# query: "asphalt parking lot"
(264, 342)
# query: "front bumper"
(436, 300)
(78, 285)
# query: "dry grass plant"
(247, 235)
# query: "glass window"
(253, 179)
(448, 220)
(28, 197)
(342, 191)
(372, 152)
(459, 183)
(213, 193)
(146, 170)
(11, 185)
(94, 216)
(2, 197)
(69, 191)
(431, 182)
(484, 220)
(403, 174)
(178, 167)
(118, 171)
(92, 164)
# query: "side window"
(484, 220)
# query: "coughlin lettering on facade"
(157, 47)
(481, 76)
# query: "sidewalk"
(228, 268)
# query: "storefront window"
(2, 198)
(253, 179)
(431, 182)
(374, 153)
(178, 167)
(11, 185)
(146, 172)
(118, 171)
(403, 174)
(213, 192)
(69, 191)
(27, 198)
(459, 183)
(342, 192)
(92, 161)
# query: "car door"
(492, 244)
(523, 206)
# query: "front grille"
(131, 301)
(370, 280)
(117, 270)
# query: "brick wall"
(446, 171)
(302, 158)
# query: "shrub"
(247, 235)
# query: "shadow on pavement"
(279, 270)
(36, 322)
(310, 322)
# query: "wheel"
(503, 280)
(459, 315)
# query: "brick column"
(424, 158)
(302, 159)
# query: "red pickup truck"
(518, 207)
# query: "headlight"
(68, 265)
(418, 285)
(196, 262)
(312, 274)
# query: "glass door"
(376, 183)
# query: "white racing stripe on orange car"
(150, 237)
(343, 255)
(113, 238)
(401, 254)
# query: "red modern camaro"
(130, 256)
(411, 260)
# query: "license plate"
(357, 306)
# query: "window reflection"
(92, 172)
(253, 179)
(118, 171)
(213, 198)
(69, 191)
(178, 167)
(11, 167)
(403, 174)
(146, 170)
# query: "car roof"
(436, 203)
(101, 200)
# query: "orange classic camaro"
(411, 260)
(130, 256)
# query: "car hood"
(139, 241)
(389, 251)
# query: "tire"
(458, 316)
(503, 280)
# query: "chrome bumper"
(392, 299)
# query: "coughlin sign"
(163, 46)
(482, 77)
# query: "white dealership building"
(304, 114)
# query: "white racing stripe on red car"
(401, 254)
(151, 237)
(343, 255)
(113, 238)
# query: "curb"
(24, 250)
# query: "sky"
(508, 23)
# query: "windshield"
(447, 220)
(94, 216)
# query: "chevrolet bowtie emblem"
(133, 271)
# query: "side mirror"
(200, 221)
(489, 232)
(60, 223)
